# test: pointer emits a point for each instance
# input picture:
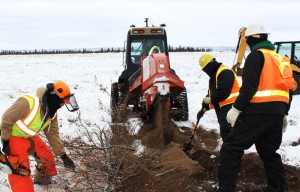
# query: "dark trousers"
(225, 127)
(263, 130)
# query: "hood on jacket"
(40, 92)
(50, 102)
(262, 42)
(211, 68)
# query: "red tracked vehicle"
(148, 78)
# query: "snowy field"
(88, 74)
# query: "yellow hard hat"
(205, 59)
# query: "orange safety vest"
(234, 90)
(276, 79)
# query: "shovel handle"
(202, 111)
(188, 146)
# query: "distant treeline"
(100, 50)
(189, 49)
(59, 51)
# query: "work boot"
(42, 178)
(218, 187)
(264, 188)
(210, 186)
(267, 188)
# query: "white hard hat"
(255, 29)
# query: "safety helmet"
(62, 90)
(205, 59)
(255, 30)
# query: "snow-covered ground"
(89, 74)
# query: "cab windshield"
(297, 53)
(285, 50)
(145, 47)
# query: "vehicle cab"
(142, 41)
(291, 49)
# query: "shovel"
(187, 146)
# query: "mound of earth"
(165, 166)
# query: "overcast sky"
(55, 24)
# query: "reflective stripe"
(23, 125)
(231, 99)
(233, 95)
(34, 110)
(24, 128)
(271, 93)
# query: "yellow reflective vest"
(32, 123)
(234, 89)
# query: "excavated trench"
(166, 166)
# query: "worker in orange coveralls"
(20, 126)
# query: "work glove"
(205, 103)
(232, 116)
(207, 100)
(284, 126)
(5, 147)
(205, 106)
(67, 161)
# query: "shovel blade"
(187, 147)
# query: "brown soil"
(166, 167)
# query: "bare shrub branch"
(104, 155)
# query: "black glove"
(5, 147)
(67, 161)
(205, 106)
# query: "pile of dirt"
(165, 166)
